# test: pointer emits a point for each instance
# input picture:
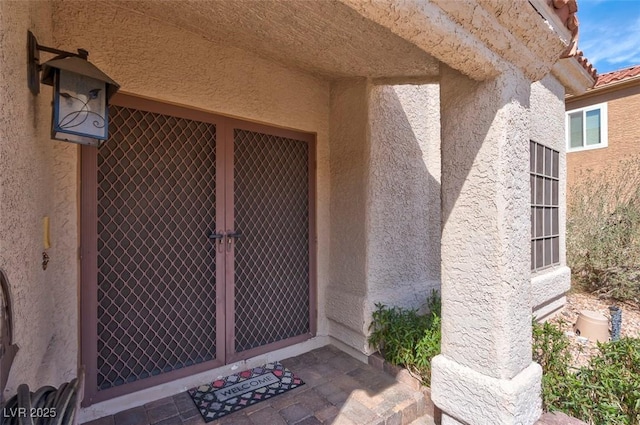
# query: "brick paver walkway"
(338, 390)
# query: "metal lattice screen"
(272, 256)
(544, 166)
(156, 266)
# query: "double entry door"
(197, 245)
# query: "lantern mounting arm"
(34, 66)
(83, 54)
(81, 93)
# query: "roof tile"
(619, 75)
(566, 11)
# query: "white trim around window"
(586, 128)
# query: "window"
(544, 169)
(587, 128)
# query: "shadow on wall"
(470, 109)
(404, 194)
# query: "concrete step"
(424, 410)
(425, 420)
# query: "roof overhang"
(397, 40)
(325, 38)
(480, 38)
(572, 70)
(573, 76)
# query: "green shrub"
(603, 231)
(551, 351)
(612, 383)
(406, 338)
(606, 392)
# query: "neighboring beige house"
(367, 152)
(602, 124)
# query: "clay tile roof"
(588, 66)
(619, 75)
(566, 11)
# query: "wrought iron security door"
(197, 247)
(273, 262)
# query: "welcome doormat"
(235, 392)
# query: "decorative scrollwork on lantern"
(83, 113)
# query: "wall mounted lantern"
(81, 93)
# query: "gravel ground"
(577, 302)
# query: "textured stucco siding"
(32, 186)
(547, 128)
(320, 37)
(477, 399)
(486, 279)
(485, 207)
(403, 197)
(349, 160)
(480, 39)
(385, 202)
(40, 177)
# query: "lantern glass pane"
(80, 108)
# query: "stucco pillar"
(485, 374)
(403, 195)
(349, 146)
(385, 202)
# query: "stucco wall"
(385, 202)
(403, 196)
(349, 167)
(547, 127)
(32, 185)
(40, 176)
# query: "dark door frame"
(225, 352)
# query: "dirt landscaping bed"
(578, 301)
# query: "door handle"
(217, 238)
(230, 236)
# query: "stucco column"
(485, 374)
(403, 196)
(349, 146)
(385, 202)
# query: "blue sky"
(610, 33)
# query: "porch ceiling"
(323, 37)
